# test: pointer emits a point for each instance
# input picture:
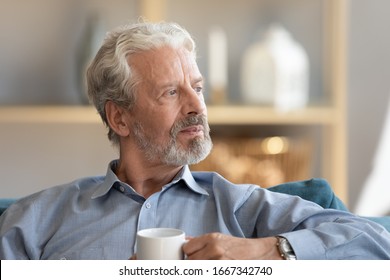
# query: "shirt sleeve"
(17, 231)
(314, 232)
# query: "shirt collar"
(185, 175)
(108, 182)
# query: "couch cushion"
(319, 191)
(5, 203)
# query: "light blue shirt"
(98, 217)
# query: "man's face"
(169, 119)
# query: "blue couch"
(319, 191)
(5, 203)
(316, 190)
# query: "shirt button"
(148, 205)
(122, 188)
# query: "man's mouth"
(193, 130)
(193, 126)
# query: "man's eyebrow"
(198, 80)
(171, 83)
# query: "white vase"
(275, 71)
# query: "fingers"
(193, 245)
(207, 246)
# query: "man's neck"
(145, 179)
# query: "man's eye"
(172, 92)
(198, 89)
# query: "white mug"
(160, 244)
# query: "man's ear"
(117, 118)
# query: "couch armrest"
(319, 191)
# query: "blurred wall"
(369, 88)
(43, 43)
(31, 160)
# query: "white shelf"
(49, 114)
(218, 115)
(255, 115)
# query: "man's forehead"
(159, 62)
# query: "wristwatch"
(285, 249)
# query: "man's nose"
(194, 102)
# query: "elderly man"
(146, 85)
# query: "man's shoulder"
(76, 189)
(216, 182)
(76, 186)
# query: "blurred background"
(50, 135)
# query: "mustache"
(188, 121)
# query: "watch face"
(285, 246)
(285, 249)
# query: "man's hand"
(217, 246)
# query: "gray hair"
(110, 77)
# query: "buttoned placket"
(148, 214)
